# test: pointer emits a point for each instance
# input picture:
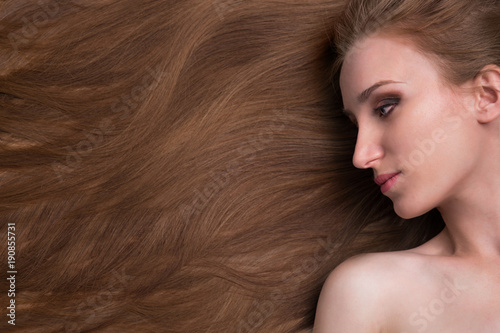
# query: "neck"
(472, 216)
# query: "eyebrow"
(363, 97)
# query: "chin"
(409, 211)
(404, 214)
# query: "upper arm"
(352, 299)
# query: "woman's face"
(411, 123)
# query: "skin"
(445, 141)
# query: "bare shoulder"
(362, 293)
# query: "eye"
(387, 108)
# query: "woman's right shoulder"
(358, 294)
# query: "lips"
(380, 180)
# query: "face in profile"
(410, 123)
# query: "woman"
(421, 81)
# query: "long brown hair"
(179, 166)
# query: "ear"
(487, 96)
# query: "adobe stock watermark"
(11, 272)
(265, 309)
(247, 151)
(429, 313)
(122, 106)
(47, 11)
(92, 304)
(225, 6)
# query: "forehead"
(378, 58)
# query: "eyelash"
(395, 101)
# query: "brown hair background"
(178, 166)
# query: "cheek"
(429, 133)
(413, 140)
(438, 156)
(453, 137)
(436, 149)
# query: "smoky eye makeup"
(387, 101)
(384, 103)
(387, 107)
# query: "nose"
(368, 149)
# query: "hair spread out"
(183, 166)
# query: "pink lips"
(387, 181)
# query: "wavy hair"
(181, 166)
